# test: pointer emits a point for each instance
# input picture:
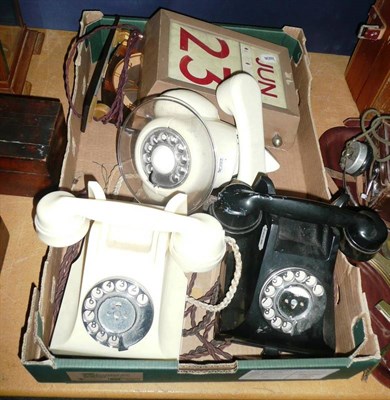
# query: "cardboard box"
(186, 52)
(92, 154)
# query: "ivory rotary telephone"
(126, 292)
(177, 143)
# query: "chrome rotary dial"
(292, 300)
(117, 313)
(165, 157)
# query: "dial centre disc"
(163, 159)
(117, 314)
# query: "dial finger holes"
(117, 313)
(292, 300)
(276, 323)
(92, 328)
(133, 290)
(311, 281)
(165, 157)
(108, 286)
(277, 281)
(97, 293)
(318, 290)
(300, 276)
(89, 303)
(288, 276)
(266, 302)
(287, 327)
(88, 316)
(270, 291)
(269, 314)
(120, 285)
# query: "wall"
(330, 26)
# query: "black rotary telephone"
(284, 301)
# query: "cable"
(233, 285)
(117, 107)
(376, 121)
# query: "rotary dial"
(292, 300)
(165, 157)
(117, 313)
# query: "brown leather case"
(332, 143)
(368, 71)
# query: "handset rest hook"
(364, 231)
(197, 241)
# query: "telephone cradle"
(285, 299)
(126, 292)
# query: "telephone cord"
(376, 121)
(233, 284)
(135, 35)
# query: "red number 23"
(209, 77)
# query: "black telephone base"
(285, 301)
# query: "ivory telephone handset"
(126, 292)
(176, 142)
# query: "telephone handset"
(176, 143)
(285, 300)
(362, 230)
(126, 293)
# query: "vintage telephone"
(126, 292)
(285, 301)
(368, 154)
(177, 143)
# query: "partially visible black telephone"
(285, 301)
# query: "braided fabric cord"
(202, 329)
(70, 256)
(233, 285)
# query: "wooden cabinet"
(368, 72)
(33, 139)
(17, 45)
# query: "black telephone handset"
(285, 299)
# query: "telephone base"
(285, 298)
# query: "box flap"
(353, 325)
(277, 36)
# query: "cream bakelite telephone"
(176, 142)
(126, 293)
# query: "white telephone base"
(122, 301)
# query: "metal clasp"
(375, 29)
(370, 32)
